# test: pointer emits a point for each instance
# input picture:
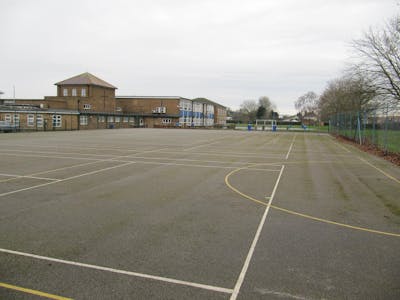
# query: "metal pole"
(386, 130)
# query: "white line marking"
(65, 179)
(28, 176)
(141, 275)
(290, 148)
(341, 146)
(63, 153)
(254, 243)
(202, 145)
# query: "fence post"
(359, 127)
(373, 129)
(386, 130)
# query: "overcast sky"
(226, 51)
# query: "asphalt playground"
(196, 214)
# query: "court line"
(23, 176)
(63, 153)
(378, 169)
(65, 179)
(32, 292)
(290, 148)
(341, 146)
(119, 271)
(292, 212)
(242, 274)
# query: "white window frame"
(16, 118)
(87, 106)
(83, 92)
(65, 92)
(131, 119)
(30, 120)
(110, 119)
(57, 121)
(102, 119)
(74, 92)
(117, 119)
(83, 120)
(126, 119)
(39, 121)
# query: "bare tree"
(307, 103)
(380, 59)
(347, 93)
(249, 110)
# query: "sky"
(225, 50)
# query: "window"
(117, 119)
(166, 121)
(65, 92)
(30, 120)
(132, 119)
(110, 119)
(102, 119)
(39, 120)
(74, 92)
(87, 106)
(126, 119)
(83, 120)
(57, 120)
(7, 118)
(83, 92)
(16, 119)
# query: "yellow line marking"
(292, 212)
(333, 222)
(380, 170)
(236, 190)
(32, 292)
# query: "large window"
(83, 92)
(16, 119)
(39, 120)
(74, 92)
(65, 92)
(110, 119)
(83, 120)
(102, 119)
(30, 120)
(117, 119)
(57, 121)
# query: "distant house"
(88, 102)
(310, 118)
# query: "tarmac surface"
(195, 214)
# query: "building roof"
(205, 100)
(152, 97)
(86, 79)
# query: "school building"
(88, 102)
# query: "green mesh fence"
(380, 128)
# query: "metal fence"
(380, 128)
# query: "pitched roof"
(86, 79)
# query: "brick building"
(88, 102)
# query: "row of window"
(84, 120)
(74, 92)
(30, 120)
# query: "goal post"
(265, 123)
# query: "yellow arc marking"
(297, 213)
(32, 292)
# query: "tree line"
(250, 110)
(370, 82)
